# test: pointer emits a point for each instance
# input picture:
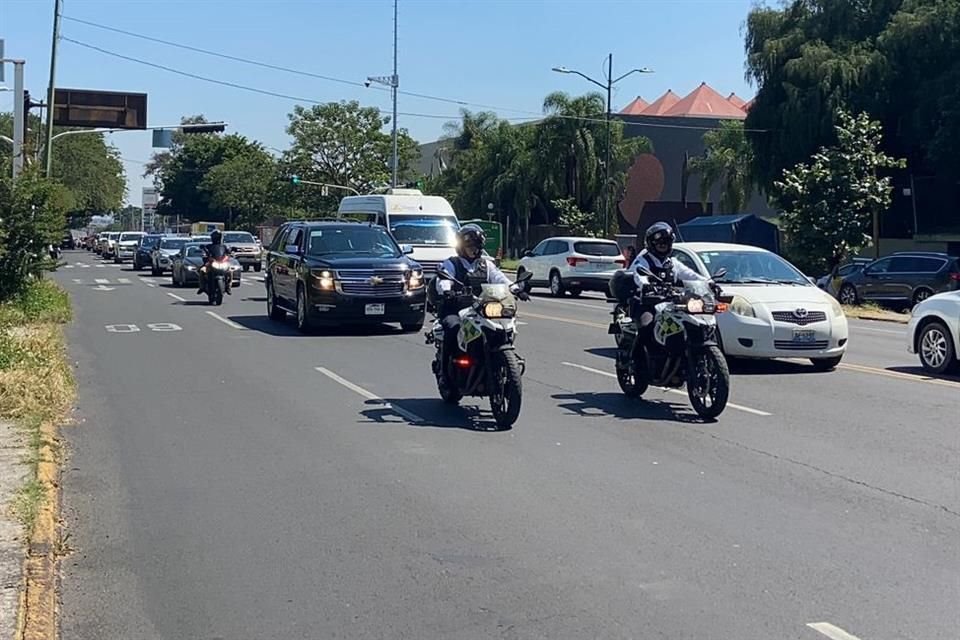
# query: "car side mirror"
(406, 249)
(812, 279)
(528, 254)
(292, 248)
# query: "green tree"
(32, 215)
(579, 223)
(727, 161)
(246, 186)
(345, 144)
(830, 204)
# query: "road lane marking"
(150, 285)
(101, 281)
(582, 323)
(69, 266)
(409, 415)
(595, 307)
(229, 323)
(831, 631)
(123, 280)
(77, 281)
(739, 407)
(122, 328)
(176, 297)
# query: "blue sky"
(488, 52)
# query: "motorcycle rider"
(658, 240)
(213, 251)
(471, 270)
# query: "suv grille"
(371, 283)
(430, 267)
(789, 317)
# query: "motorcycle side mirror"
(526, 275)
(528, 254)
(642, 270)
(722, 271)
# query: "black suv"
(341, 272)
(905, 278)
(142, 257)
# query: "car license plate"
(804, 335)
(374, 310)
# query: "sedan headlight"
(741, 307)
(835, 307)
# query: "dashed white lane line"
(738, 407)
(149, 284)
(412, 417)
(229, 323)
(176, 297)
(831, 631)
(123, 280)
(101, 281)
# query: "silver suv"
(572, 264)
(245, 248)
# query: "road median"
(36, 395)
(870, 312)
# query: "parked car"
(831, 282)
(187, 262)
(902, 279)
(572, 265)
(776, 311)
(126, 246)
(161, 258)
(343, 273)
(108, 245)
(68, 241)
(933, 333)
(245, 248)
(142, 256)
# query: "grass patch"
(36, 380)
(873, 311)
(509, 264)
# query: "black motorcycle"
(486, 363)
(218, 277)
(679, 347)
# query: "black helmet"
(216, 236)
(659, 240)
(470, 241)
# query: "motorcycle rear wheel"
(708, 383)
(507, 393)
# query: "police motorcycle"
(684, 349)
(486, 363)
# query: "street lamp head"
(561, 70)
(644, 70)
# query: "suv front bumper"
(331, 307)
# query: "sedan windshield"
(194, 251)
(353, 240)
(173, 243)
(239, 237)
(415, 228)
(745, 267)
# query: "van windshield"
(424, 228)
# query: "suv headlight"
(416, 280)
(324, 278)
(741, 307)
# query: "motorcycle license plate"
(803, 335)
(374, 309)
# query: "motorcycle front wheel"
(631, 384)
(216, 292)
(708, 382)
(507, 392)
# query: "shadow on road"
(740, 366)
(603, 352)
(284, 329)
(605, 405)
(435, 413)
(920, 373)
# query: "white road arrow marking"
(102, 288)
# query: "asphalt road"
(230, 478)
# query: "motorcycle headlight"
(695, 305)
(221, 266)
(741, 307)
(190, 267)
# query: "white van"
(426, 223)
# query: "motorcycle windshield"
(498, 293)
(699, 289)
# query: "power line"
(274, 67)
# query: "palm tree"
(728, 162)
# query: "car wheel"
(246, 268)
(848, 295)
(826, 364)
(256, 268)
(155, 272)
(575, 293)
(412, 327)
(274, 312)
(921, 294)
(303, 314)
(556, 284)
(935, 348)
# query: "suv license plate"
(804, 335)
(374, 309)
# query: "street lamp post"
(392, 81)
(608, 87)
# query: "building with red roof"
(702, 102)
(636, 107)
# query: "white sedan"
(777, 312)
(934, 332)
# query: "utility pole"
(19, 115)
(393, 82)
(51, 87)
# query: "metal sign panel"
(94, 109)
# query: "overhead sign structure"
(95, 109)
(150, 199)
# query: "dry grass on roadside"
(873, 311)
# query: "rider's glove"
(523, 295)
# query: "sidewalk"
(13, 474)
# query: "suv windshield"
(172, 243)
(149, 242)
(358, 240)
(752, 267)
(240, 237)
(417, 228)
(126, 237)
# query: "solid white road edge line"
(176, 297)
(739, 407)
(832, 632)
(229, 323)
(412, 417)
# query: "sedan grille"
(791, 318)
(789, 345)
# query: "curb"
(879, 317)
(37, 618)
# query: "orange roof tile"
(662, 104)
(636, 107)
(736, 100)
(705, 102)
(746, 107)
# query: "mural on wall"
(644, 184)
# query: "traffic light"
(203, 128)
(294, 179)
